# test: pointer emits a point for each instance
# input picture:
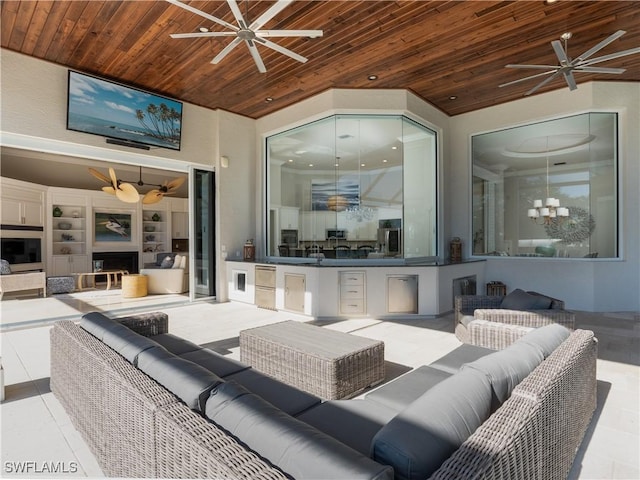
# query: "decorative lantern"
(455, 250)
(249, 251)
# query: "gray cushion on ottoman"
(174, 344)
(353, 422)
(218, 364)
(453, 361)
(296, 447)
(402, 391)
(506, 369)
(186, 380)
(427, 432)
(546, 339)
(287, 398)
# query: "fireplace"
(118, 260)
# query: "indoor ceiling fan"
(249, 33)
(126, 192)
(581, 64)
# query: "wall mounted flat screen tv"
(126, 114)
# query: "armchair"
(495, 321)
(15, 282)
(172, 277)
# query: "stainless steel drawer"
(351, 305)
(266, 298)
(352, 278)
(266, 277)
(352, 291)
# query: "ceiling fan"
(126, 192)
(581, 64)
(249, 33)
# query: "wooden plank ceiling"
(438, 50)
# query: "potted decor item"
(155, 217)
(57, 212)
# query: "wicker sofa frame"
(499, 327)
(136, 428)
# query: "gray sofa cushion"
(214, 362)
(294, 446)
(122, 339)
(174, 344)
(186, 380)
(402, 391)
(546, 339)
(352, 422)
(287, 398)
(427, 432)
(453, 361)
(521, 300)
(506, 369)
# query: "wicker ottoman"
(134, 286)
(323, 362)
(60, 284)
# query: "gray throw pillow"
(521, 300)
(167, 262)
(5, 268)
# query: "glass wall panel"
(548, 189)
(337, 189)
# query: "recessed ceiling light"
(372, 77)
(268, 99)
(384, 161)
(363, 165)
(290, 160)
(311, 164)
(394, 148)
(203, 29)
(453, 97)
(336, 164)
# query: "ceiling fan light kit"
(249, 33)
(126, 192)
(568, 66)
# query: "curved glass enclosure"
(353, 187)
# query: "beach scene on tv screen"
(112, 110)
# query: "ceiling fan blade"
(611, 56)
(289, 33)
(202, 34)
(571, 81)
(269, 13)
(600, 46)
(114, 179)
(560, 53)
(588, 69)
(527, 78)
(203, 14)
(175, 183)
(237, 14)
(278, 48)
(225, 51)
(109, 190)
(127, 193)
(152, 196)
(99, 175)
(540, 67)
(543, 83)
(256, 56)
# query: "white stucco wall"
(585, 284)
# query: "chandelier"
(551, 208)
(359, 213)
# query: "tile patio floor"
(36, 429)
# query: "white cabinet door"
(68, 264)
(20, 212)
(33, 214)
(179, 225)
(11, 212)
(289, 218)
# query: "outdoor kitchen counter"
(434, 285)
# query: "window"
(353, 186)
(548, 189)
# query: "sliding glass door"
(203, 208)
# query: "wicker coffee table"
(323, 362)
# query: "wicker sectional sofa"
(150, 404)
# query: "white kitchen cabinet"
(22, 207)
(179, 225)
(289, 218)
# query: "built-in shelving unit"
(69, 238)
(154, 233)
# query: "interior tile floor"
(36, 429)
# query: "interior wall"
(584, 284)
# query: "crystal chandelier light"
(551, 208)
(360, 213)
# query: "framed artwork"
(112, 227)
(335, 195)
